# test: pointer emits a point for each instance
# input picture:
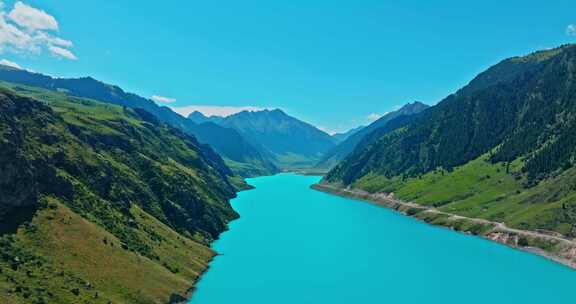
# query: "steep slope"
(502, 148)
(343, 149)
(91, 88)
(523, 106)
(287, 141)
(103, 203)
(241, 156)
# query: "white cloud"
(162, 99)
(10, 64)
(214, 110)
(52, 40)
(27, 30)
(374, 116)
(32, 18)
(327, 130)
(571, 30)
(61, 52)
(13, 37)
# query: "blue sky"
(331, 63)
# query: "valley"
(316, 243)
(108, 196)
(469, 164)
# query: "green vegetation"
(364, 136)
(502, 148)
(225, 141)
(102, 203)
(62, 258)
(525, 108)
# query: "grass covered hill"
(228, 142)
(102, 203)
(502, 148)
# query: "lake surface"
(296, 245)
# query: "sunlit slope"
(103, 202)
(227, 142)
(501, 148)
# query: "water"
(296, 245)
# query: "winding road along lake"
(296, 245)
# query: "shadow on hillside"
(14, 218)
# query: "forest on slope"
(501, 148)
(103, 203)
(333, 156)
(243, 157)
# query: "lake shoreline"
(190, 292)
(554, 248)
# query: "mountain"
(340, 137)
(200, 118)
(102, 203)
(236, 150)
(344, 148)
(285, 140)
(241, 155)
(501, 148)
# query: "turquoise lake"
(295, 245)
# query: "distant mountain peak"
(266, 111)
(409, 109)
(414, 104)
(196, 114)
(275, 113)
(199, 118)
(286, 139)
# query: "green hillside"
(102, 203)
(502, 148)
(227, 142)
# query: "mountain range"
(251, 143)
(100, 186)
(92, 173)
(244, 158)
(288, 142)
